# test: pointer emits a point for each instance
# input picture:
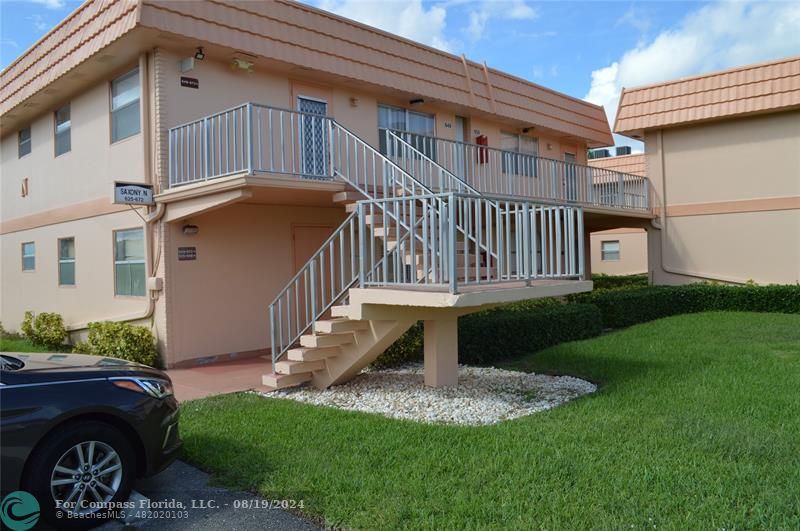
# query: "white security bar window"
(609, 250)
(63, 130)
(513, 143)
(24, 142)
(125, 119)
(129, 274)
(417, 126)
(66, 262)
(28, 256)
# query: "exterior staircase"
(412, 226)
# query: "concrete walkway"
(219, 378)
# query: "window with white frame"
(609, 250)
(24, 138)
(125, 119)
(66, 262)
(28, 256)
(416, 128)
(63, 130)
(129, 272)
(517, 151)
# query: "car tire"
(66, 448)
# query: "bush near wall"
(120, 340)
(494, 335)
(602, 281)
(44, 329)
(621, 308)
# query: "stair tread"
(312, 353)
(296, 367)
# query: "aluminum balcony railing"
(498, 172)
(447, 241)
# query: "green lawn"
(696, 426)
(24, 345)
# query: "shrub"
(494, 335)
(27, 325)
(44, 329)
(49, 330)
(620, 308)
(120, 340)
(603, 281)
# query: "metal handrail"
(491, 170)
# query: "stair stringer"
(367, 346)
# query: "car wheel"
(81, 474)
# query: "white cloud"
(717, 36)
(409, 19)
(39, 22)
(49, 4)
(489, 9)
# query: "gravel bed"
(482, 396)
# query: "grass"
(695, 426)
(20, 344)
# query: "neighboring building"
(723, 154)
(255, 238)
(620, 251)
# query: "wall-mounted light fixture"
(242, 64)
(199, 54)
(353, 102)
(416, 101)
(527, 129)
(189, 229)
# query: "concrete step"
(326, 340)
(282, 381)
(298, 367)
(340, 310)
(312, 354)
(331, 326)
(348, 196)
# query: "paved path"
(184, 483)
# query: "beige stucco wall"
(92, 298)
(632, 252)
(732, 200)
(244, 257)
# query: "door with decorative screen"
(313, 137)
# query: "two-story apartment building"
(723, 153)
(319, 184)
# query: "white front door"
(313, 137)
(461, 136)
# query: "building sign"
(187, 253)
(190, 82)
(133, 194)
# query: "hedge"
(44, 329)
(603, 281)
(494, 335)
(621, 308)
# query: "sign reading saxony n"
(133, 194)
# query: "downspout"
(662, 225)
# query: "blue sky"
(589, 50)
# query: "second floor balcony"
(258, 139)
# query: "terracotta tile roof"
(298, 34)
(634, 164)
(764, 87)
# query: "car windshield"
(10, 363)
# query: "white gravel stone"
(482, 396)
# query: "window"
(125, 119)
(66, 262)
(516, 149)
(129, 274)
(28, 256)
(63, 129)
(609, 250)
(416, 128)
(24, 141)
